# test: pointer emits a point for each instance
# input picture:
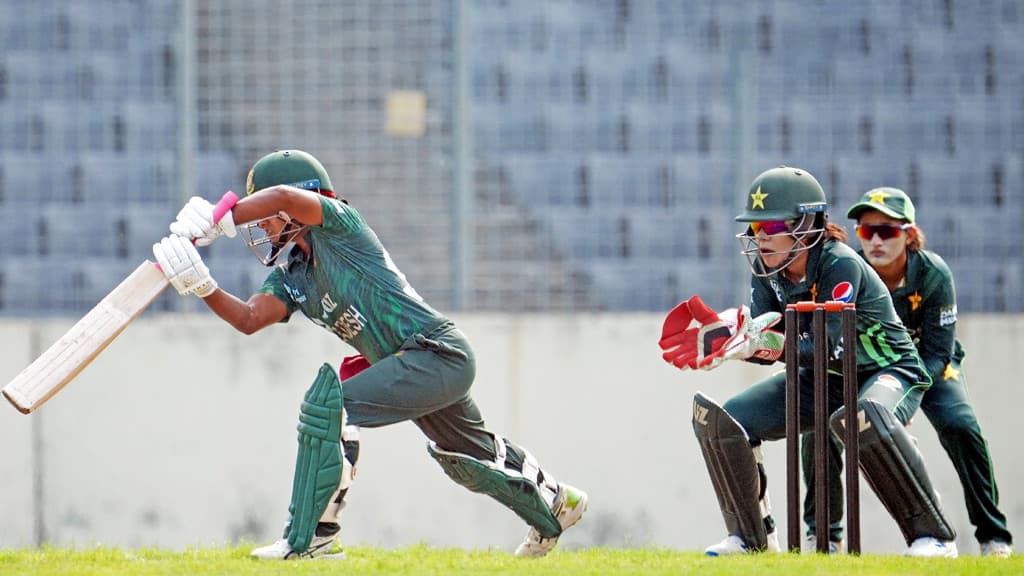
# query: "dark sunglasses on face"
(770, 227)
(884, 231)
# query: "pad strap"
(318, 465)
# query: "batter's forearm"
(300, 204)
(235, 312)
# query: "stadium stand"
(605, 144)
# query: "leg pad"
(734, 471)
(894, 468)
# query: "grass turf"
(424, 560)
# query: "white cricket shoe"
(811, 545)
(280, 550)
(928, 547)
(734, 545)
(570, 504)
(997, 549)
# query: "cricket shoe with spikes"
(569, 506)
(734, 545)
(319, 547)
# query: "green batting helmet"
(783, 193)
(291, 167)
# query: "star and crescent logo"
(757, 199)
(879, 197)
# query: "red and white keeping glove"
(695, 336)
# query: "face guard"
(805, 232)
(267, 247)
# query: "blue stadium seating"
(612, 141)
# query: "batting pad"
(318, 465)
(895, 470)
(733, 469)
(510, 487)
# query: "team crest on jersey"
(843, 292)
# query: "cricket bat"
(80, 345)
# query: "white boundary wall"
(182, 434)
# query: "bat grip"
(224, 205)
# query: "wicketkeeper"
(413, 363)
(796, 254)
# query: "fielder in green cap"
(923, 294)
(413, 364)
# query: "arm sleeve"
(274, 285)
(938, 331)
(339, 217)
(762, 298)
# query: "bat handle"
(224, 205)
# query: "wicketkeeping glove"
(196, 221)
(181, 264)
(695, 336)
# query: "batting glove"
(195, 221)
(184, 268)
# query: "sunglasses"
(771, 227)
(884, 231)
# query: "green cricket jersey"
(926, 302)
(836, 272)
(350, 286)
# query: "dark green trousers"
(428, 382)
(948, 408)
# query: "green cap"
(892, 202)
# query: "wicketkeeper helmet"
(783, 193)
(790, 201)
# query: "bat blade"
(84, 341)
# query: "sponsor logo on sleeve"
(947, 316)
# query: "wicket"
(848, 315)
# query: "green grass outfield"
(429, 561)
